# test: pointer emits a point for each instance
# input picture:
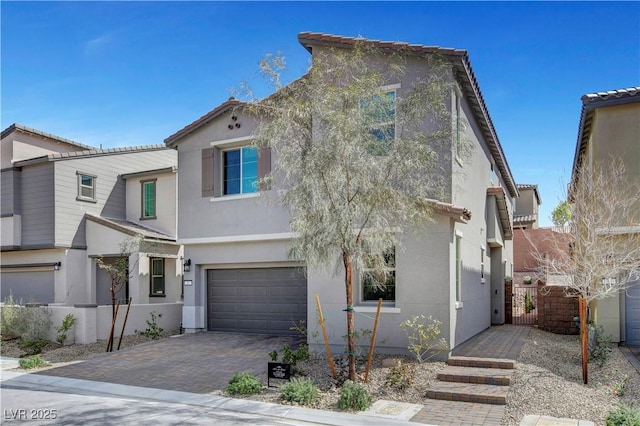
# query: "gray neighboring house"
(64, 204)
(236, 243)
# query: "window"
(379, 283)
(86, 187)
(492, 173)
(148, 199)
(380, 115)
(240, 169)
(482, 263)
(458, 269)
(157, 277)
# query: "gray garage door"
(262, 300)
(632, 319)
(28, 286)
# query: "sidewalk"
(290, 413)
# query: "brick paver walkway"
(197, 363)
(499, 342)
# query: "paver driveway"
(198, 363)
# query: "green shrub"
(528, 303)
(32, 362)
(62, 330)
(33, 347)
(354, 396)
(624, 415)
(300, 390)
(153, 330)
(289, 356)
(401, 376)
(423, 333)
(601, 347)
(244, 384)
(28, 323)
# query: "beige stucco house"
(65, 204)
(610, 128)
(527, 205)
(241, 278)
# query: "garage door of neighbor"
(260, 300)
(28, 286)
(632, 312)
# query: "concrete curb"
(36, 381)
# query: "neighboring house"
(526, 214)
(242, 280)
(65, 204)
(610, 128)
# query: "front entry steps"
(469, 379)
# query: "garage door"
(632, 312)
(263, 300)
(28, 286)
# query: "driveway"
(197, 363)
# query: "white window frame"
(458, 269)
(143, 183)
(152, 277)
(456, 123)
(385, 90)
(81, 186)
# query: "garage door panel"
(261, 300)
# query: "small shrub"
(401, 376)
(244, 384)
(289, 356)
(33, 347)
(354, 396)
(32, 362)
(601, 347)
(528, 303)
(64, 328)
(153, 330)
(30, 323)
(423, 335)
(300, 390)
(624, 415)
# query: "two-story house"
(610, 129)
(526, 213)
(241, 278)
(65, 204)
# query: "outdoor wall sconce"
(187, 265)
(56, 266)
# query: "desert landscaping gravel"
(547, 379)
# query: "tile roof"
(24, 129)
(129, 228)
(195, 125)
(464, 72)
(88, 153)
(591, 102)
(524, 218)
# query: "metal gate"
(524, 302)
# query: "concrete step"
(485, 376)
(469, 392)
(466, 361)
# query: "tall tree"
(603, 234)
(356, 161)
(561, 214)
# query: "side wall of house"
(166, 202)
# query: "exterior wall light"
(187, 265)
(56, 266)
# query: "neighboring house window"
(455, 122)
(458, 270)
(482, 263)
(148, 199)
(492, 173)
(157, 276)
(86, 187)
(240, 170)
(380, 113)
(376, 285)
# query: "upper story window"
(86, 187)
(380, 113)
(148, 199)
(240, 169)
(379, 283)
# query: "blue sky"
(133, 73)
